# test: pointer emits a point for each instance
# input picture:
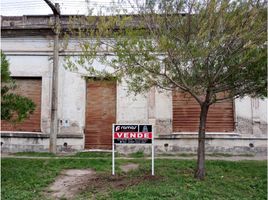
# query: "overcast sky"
(39, 7)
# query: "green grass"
(93, 155)
(207, 154)
(34, 154)
(27, 178)
(138, 154)
(229, 155)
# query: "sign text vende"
(132, 135)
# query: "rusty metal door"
(186, 115)
(100, 114)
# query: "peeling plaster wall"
(263, 107)
(72, 101)
(35, 144)
(163, 112)
(251, 116)
(233, 146)
(263, 110)
(27, 45)
(25, 61)
(32, 57)
(130, 108)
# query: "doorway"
(100, 114)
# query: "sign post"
(113, 153)
(152, 151)
(132, 134)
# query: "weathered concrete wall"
(32, 57)
(27, 64)
(38, 142)
(163, 112)
(251, 116)
(253, 146)
(72, 101)
(131, 108)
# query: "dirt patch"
(70, 182)
(103, 183)
(74, 181)
(128, 167)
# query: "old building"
(87, 109)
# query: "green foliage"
(14, 108)
(5, 73)
(13, 104)
(215, 49)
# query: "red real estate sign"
(132, 134)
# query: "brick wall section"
(31, 88)
(186, 115)
(100, 114)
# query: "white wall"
(252, 109)
(131, 108)
(71, 101)
(263, 110)
(32, 57)
(26, 61)
(163, 103)
(243, 108)
(27, 45)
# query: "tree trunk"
(200, 170)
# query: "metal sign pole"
(152, 150)
(132, 134)
(113, 153)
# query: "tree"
(14, 108)
(212, 50)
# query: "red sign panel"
(128, 135)
(133, 134)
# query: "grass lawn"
(26, 179)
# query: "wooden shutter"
(186, 115)
(31, 88)
(100, 114)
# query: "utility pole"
(54, 99)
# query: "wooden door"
(100, 114)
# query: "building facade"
(88, 107)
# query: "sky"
(39, 7)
